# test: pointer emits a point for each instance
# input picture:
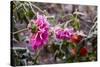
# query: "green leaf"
(75, 22)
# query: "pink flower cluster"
(40, 37)
(64, 34)
(40, 32)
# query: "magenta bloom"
(40, 37)
(64, 33)
(59, 33)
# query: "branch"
(95, 24)
(32, 8)
(20, 31)
(36, 7)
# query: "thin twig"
(45, 12)
(25, 12)
(66, 24)
(92, 28)
(32, 8)
(94, 18)
(37, 54)
(79, 13)
(20, 31)
(17, 6)
(62, 6)
(14, 39)
(60, 47)
(50, 17)
(36, 7)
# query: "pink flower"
(59, 33)
(40, 37)
(68, 32)
(64, 33)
